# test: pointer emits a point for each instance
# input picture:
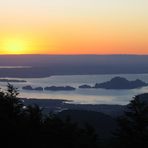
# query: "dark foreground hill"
(23, 125)
(103, 124)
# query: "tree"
(10, 104)
(19, 123)
(133, 126)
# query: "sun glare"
(14, 46)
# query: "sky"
(74, 27)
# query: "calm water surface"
(84, 96)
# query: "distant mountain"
(46, 65)
(121, 83)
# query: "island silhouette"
(114, 83)
(121, 83)
(49, 88)
(118, 83)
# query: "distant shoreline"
(39, 66)
(46, 76)
(56, 105)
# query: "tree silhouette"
(133, 126)
(19, 123)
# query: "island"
(85, 86)
(12, 80)
(50, 88)
(114, 83)
(59, 88)
(121, 83)
(28, 87)
(39, 88)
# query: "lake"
(82, 96)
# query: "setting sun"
(74, 27)
(14, 46)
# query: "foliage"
(27, 125)
(133, 126)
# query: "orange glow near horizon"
(14, 46)
(74, 27)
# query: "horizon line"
(75, 54)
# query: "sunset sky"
(74, 27)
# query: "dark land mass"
(97, 116)
(117, 83)
(39, 88)
(14, 81)
(85, 86)
(47, 65)
(28, 87)
(143, 97)
(51, 88)
(102, 123)
(59, 88)
(103, 118)
(121, 83)
(49, 105)
(52, 105)
(114, 83)
(23, 122)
